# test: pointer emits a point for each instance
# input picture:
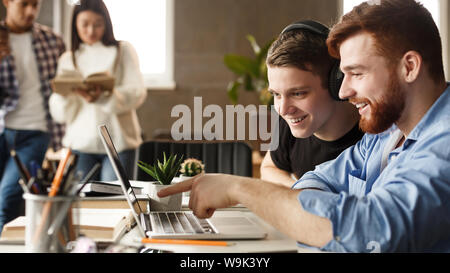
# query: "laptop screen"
(115, 162)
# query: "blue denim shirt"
(388, 200)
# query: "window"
(437, 8)
(431, 5)
(148, 25)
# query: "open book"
(69, 80)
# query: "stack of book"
(101, 225)
(97, 188)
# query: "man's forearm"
(281, 209)
(277, 176)
(270, 172)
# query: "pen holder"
(49, 223)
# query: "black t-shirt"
(300, 155)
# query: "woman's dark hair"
(98, 7)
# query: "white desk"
(274, 242)
(12, 248)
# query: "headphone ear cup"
(335, 81)
(336, 76)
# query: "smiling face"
(371, 84)
(90, 27)
(300, 99)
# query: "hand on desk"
(208, 193)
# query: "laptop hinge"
(145, 220)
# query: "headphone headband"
(335, 75)
(312, 26)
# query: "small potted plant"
(163, 172)
(191, 167)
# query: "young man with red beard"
(390, 191)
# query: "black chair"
(218, 157)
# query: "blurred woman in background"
(94, 49)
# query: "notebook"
(180, 224)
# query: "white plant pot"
(182, 178)
(169, 203)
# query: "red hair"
(397, 26)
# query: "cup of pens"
(49, 223)
(49, 217)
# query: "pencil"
(53, 191)
(22, 169)
(68, 174)
(72, 235)
(24, 187)
(59, 175)
(89, 177)
(184, 242)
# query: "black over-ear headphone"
(335, 76)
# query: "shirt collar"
(434, 114)
(34, 29)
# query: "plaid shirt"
(48, 47)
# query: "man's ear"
(5, 3)
(411, 65)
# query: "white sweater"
(117, 111)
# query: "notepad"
(69, 80)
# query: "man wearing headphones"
(315, 125)
(390, 191)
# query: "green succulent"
(191, 167)
(163, 172)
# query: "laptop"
(180, 224)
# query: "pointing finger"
(177, 188)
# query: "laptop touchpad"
(224, 224)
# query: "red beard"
(385, 113)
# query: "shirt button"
(337, 238)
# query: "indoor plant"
(191, 167)
(163, 172)
(251, 72)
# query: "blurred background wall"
(206, 30)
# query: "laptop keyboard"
(178, 223)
